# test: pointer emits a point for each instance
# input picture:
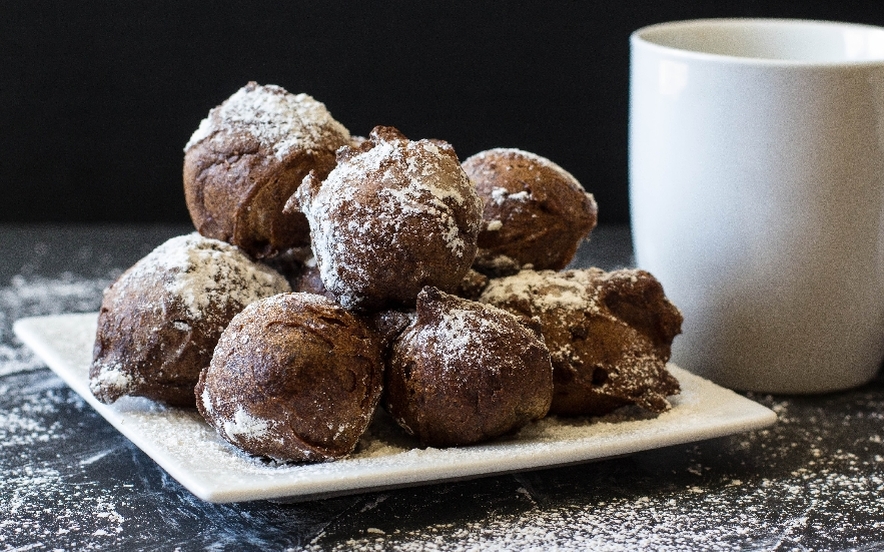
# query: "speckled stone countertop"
(69, 481)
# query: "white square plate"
(191, 452)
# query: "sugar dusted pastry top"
(393, 216)
(248, 156)
(278, 120)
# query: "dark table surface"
(69, 481)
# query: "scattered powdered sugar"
(788, 487)
(33, 296)
(280, 121)
(21, 425)
(44, 496)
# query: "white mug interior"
(776, 40)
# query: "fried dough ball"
(394, 215)
(160, 320)
(248, 156)
(294, 377)
(464, 372)
(536, 213)
(609, 334)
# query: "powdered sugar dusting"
(202, 271)
(112, 378)
(396, 194)
(568, 304)
(30, 296)
(455, 336)
(280, 121)
(452, 330)
(243, 424)
(545, 290)
(415, 201)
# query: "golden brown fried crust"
(465, 372)
(294, 378)
(609, 334)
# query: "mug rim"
(642, 36)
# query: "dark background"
(98, 99)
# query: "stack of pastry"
(332, 274)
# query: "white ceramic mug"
(756, 166)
